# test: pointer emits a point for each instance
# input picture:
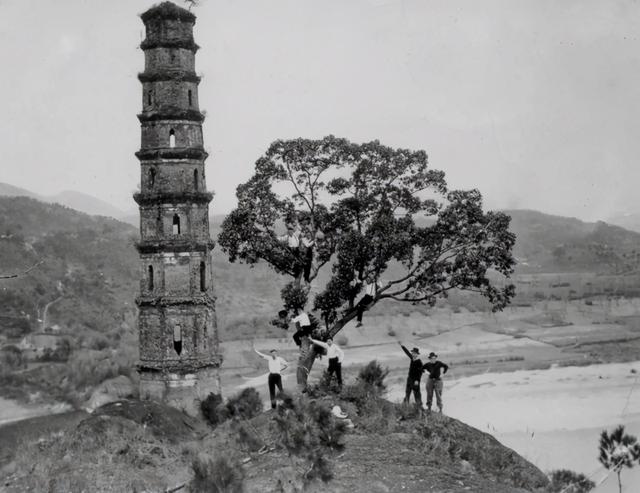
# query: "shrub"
(209, 408)
(98, 342)
(308, 430)
(217, 475)
(244, 405)
(326, 385)
(565, 481)
(391, 333)
(618, 450)
(11, 358)
(373, 375)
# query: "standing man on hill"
(276, 365)
(434, 381)
(335, 355)
(414, 377)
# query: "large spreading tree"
(367, 211)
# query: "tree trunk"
(619, 482)
(308, 352)
(305, 362)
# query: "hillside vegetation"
(87, 281)
(301, 446)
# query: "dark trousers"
(300, 333)
(414, 387)
(335, 367)
(308, 262)
(434, 385)
(297, 265)
(362, 304)
(275, 380)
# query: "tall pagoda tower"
(179, 357)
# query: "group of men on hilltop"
(434, 367)
(301, 242)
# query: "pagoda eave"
(198, 300)
(176, 75)
(171, 114)
(180, 367)
(172, 198)
(187, 44)
(174, 246)
(172, 153)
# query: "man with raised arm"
(434, 382)
(335, 355)
(276, 365)
(414, 376)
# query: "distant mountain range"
(545, 242)
(75, 200)
(91, 261)
(628, 220)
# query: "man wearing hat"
(434, 381)
(415, 375)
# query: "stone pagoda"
(179, 356)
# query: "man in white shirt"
(276, 365)
(335, 355)
(370, 291)
(302, 324)
(292, 240)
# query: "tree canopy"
(365, 212)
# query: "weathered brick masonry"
(179, 356)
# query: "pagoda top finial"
(168, 10)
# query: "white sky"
(536, 103)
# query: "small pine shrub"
(217, 475)
(373, 375)
(566, 481)
(209, 407)
(308, 431)
(244, 405)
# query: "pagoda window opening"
(177, 339)
(149, 98)
(150, 278)
(203, 277)
(195, 179)
(152, 176)
(172, 138)
(176, 224)
(190, 98)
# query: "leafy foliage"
(618, 450)
(245, 405)
(308, 431)
(369, 211)
(209, 408)
(566, 481)
(373, 375)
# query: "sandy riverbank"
(552, 417)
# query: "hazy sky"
(536, 103)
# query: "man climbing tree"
(374, 212)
